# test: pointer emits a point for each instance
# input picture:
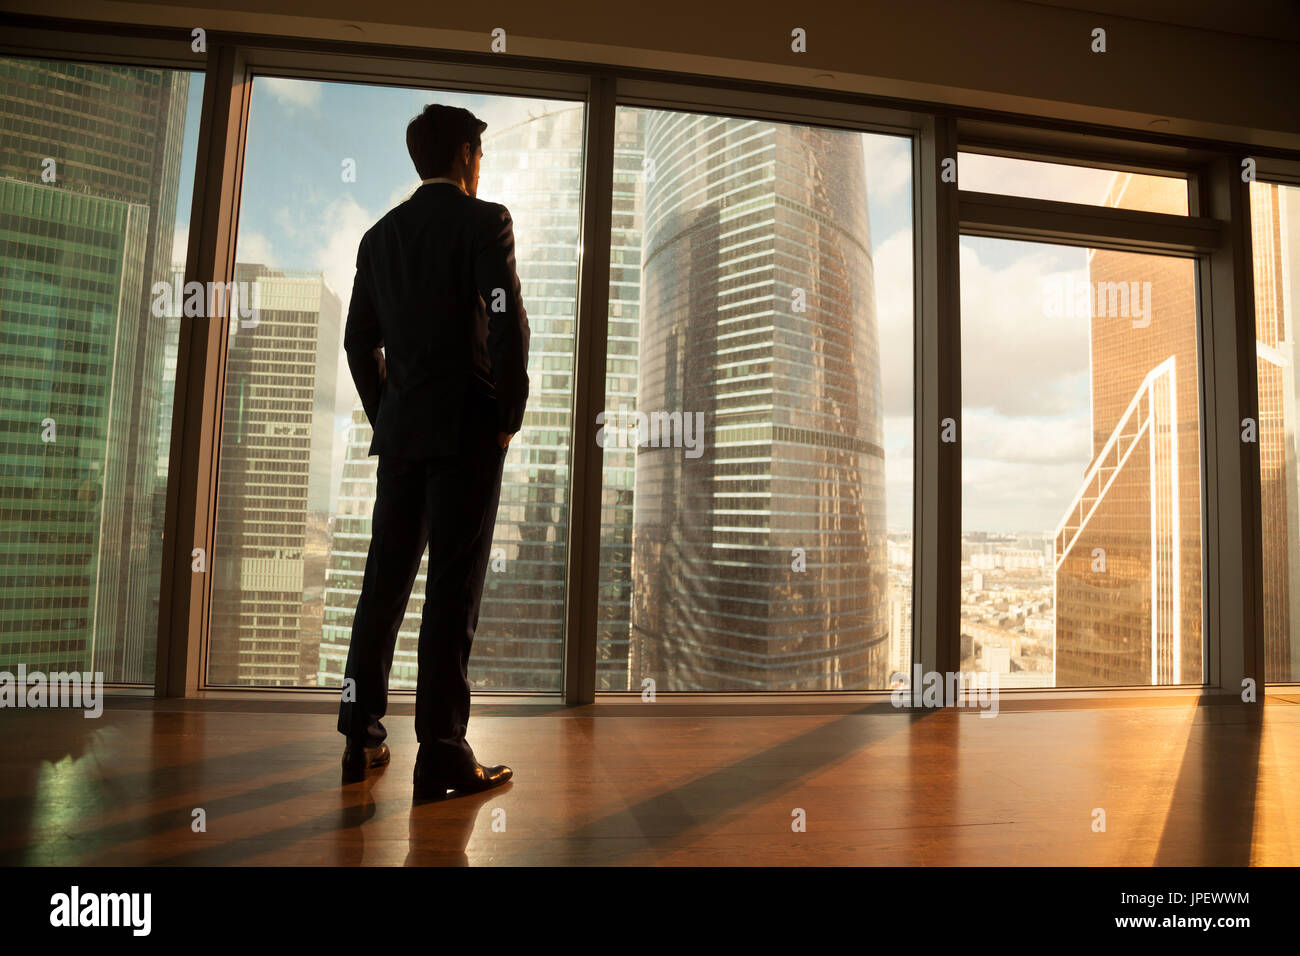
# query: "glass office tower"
(90, 164)
(759, 557)
(277, 442)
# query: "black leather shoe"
(358, 761)
(430, 785)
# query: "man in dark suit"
(437, 341)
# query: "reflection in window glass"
(96, 173)
(757, 430)
(1005, 176)
(1081, 509)
(325, 161)
(1275, 220)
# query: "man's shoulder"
(491, 218)
(491, 211)
(382, 225)
(414, 207)
(487, 218)
(408, 208)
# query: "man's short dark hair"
(435, 137)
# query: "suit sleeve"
(362, 336)
(508, 333)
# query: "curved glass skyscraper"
(759, 557)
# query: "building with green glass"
(91, 162)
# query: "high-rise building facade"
(91, 161)
(173, 310)
(1128, 552)
(900, 630)
(1275, 241)
(621, 374)
(56, 384)
(277, 450)
(760, 563)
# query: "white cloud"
(254, 248)
(898, 470)
(894, 323)
(889, 164)
(1066, 440)
(1015, 359)
(1026, 387)
(402, 193)
(997, 498)
(1034, 180)
(285, 221)
(180, 245)
(299, 94)
(340, 226)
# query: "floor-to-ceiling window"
(1081, 445)
(324, 161)
(757, 429)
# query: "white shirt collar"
(444, 179)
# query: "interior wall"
(1219, 70)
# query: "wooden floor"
(1181, 782)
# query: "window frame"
(718, 99)
(1216, 234)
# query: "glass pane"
(757, 432)
(1081, 509)
(324, 162)
(1089, 185)
(1275, 215)
(96, 172)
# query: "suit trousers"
(448, 504)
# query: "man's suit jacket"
(436, 286)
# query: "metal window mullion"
(936, 599)
(185, 595)
(446, 72)
(813, 107)
(1233, 555)
(157, 47)
(1097, 227)
(582, 562)
(1283, 172)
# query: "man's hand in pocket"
(503, 438)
